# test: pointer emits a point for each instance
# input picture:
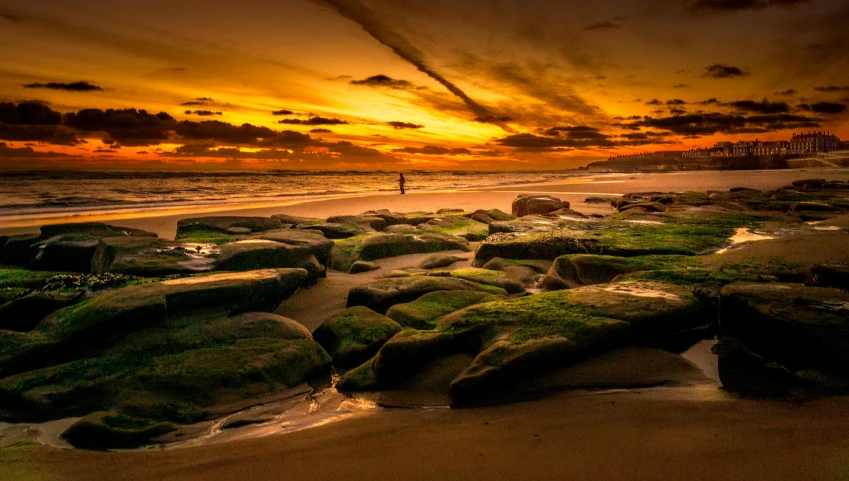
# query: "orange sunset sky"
(409, 84)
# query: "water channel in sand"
(744, 234)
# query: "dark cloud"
(709, 101)
(321, 131)
(405, 125)
(720, 71)
(128, 126)
(825, 108)
(314, 121)
(203, 113)
(763, 107)
(654, 102)
(576, 132)
(245, 134)
(605, 25)
(788, 92)
(28, 113)
(680, 86)
(8, 152)
(712, 123)
(587, 139)
(50, 134)
(282, 112)
(433, 150)
(198, 102)
(675, 102)
(492, 119)
(677, 111)
(11, 18)
(385, 81)
(729, 6)
(831, 88)
(80, 86)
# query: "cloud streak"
(80, 86)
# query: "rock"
(370, 222)
(104, 430)
(482, 218)
(456, 225)
(597, 200)
(293, 220)
(362, 266)
(274, 249)
(355, 335)
(490, 216)
(525, 272)
(24, 313)
(86, 328)
(481, 276)
(832, 274)
(530, 204)
(799, 326)
(451, 211)
(219, 230)
(421, 313)
(522, 336)
(372, 247)
(577, 270)
(566, 214)
(151, 257)
(389, 218)
(334, 231)
(437, 261)
(382, 294)
(646, 206)
(401, 229)
(63, 247)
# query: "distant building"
(813, 143)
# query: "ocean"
(49, 193)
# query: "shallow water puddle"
(256, 241)
(744, 234)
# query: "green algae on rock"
(427, 309)
(355, 335)
(382, 294)
(370, 247)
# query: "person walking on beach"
(401, 182)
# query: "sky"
(409, 84)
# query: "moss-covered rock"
(223, 229)
(355, 335)
(424, 311)
(456, 225)
(103, 430)
(799, 326)
(437, 261)
(832, 274)
(525, 272)
(480, 276)
(274, 249)
(151, 257)
(363, 266)
(88, 327)
(535, 204)
(577, 270)
(334, 231)
(25, 312)
(528, 334)
(382, 294)
(372, 247)
(368, 222)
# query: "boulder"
(530, 204)
(63, 247)
(367, 221)
(362, 266)
(219, 230)
(490, 216)
(456, 225)
(577, 270)
(355, 335)
(88, 327)
(104, 430)
(151, 257)
(372, 247)
(480, 276)
(597, 200)
(293, 220)
(525, 272)
(389, 218)
(382, 294)
(401, 229)
(274, 249)
(832, 274)
(437, 261)
(334, 231)
(798, 326)
(424, 311)
(25, 312)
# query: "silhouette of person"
(401, 182)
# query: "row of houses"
(799, 144)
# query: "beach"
(574, 190)
(631, 413)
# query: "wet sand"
(573, 190)
(657, 434)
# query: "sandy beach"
(628, 414)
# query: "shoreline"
(164, 223)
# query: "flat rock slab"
(385, 293)
(796, 325)
(372, 247)
(355, 335)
